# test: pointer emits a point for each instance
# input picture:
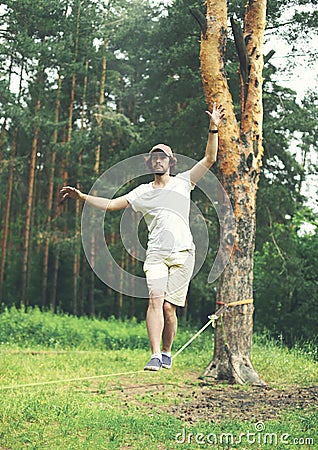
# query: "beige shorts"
(171, 274)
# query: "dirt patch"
(192, 401)
(218, 403)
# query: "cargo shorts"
(170, 273)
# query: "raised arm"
(201, 168)
(104, 204)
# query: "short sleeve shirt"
(166, 213)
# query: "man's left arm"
(201, 168)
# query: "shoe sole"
(153, 369)
(166, 367)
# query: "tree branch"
(268, 56)
(280, 254)
(201, 19)
(242, 53)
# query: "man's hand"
(105, 204)
(72, 192)
(216, 115)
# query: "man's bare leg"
(155, 320)
(170, 326)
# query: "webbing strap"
(240, 302)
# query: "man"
(165, 205)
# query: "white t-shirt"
(166, 212)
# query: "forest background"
(86, 84)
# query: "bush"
(62, 331)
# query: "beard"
(158, 171)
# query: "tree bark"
(96, 171)
(29, 202)
(4, 124)
(77, 255)
(56, 235)
(239, 162)
(50, 197)
(4, 243)
(68, 141)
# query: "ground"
(193, 401)
(229, 402)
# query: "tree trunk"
(120, 293)
(4, 244)
(56, 235)
(4, 124)
(7, 211)
(50, 198)
(78, 299)
(239, 161)
(96, 171)
(55, 272)
(29, 204)
(77, 255)
(69, 138)
(3, 135)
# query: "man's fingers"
(66, 192)
(67, 187)
(215, 107)
(218, 112)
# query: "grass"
(281, 365)
(128, 411)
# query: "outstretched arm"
(201, 168)
(104, 204)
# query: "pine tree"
(239, 160)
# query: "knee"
(169, 309)
(156, 298)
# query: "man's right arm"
(105, 204)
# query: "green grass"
(126, 411)
(281, 365)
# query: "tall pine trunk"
(77, 294)
(29, 201)
(4, 124)
(239, 162)
(91, 300)
(4, 243)
(56, 236)
(69, 138)
(50, 198)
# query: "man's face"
(160, 162)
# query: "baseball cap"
(163, 147)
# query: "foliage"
(34, 328)
(152, 93)
(286, 288)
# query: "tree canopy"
(85, 84)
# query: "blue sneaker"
(166, 362)
(153, 364)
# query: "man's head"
(163, 148)
(161, 159)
